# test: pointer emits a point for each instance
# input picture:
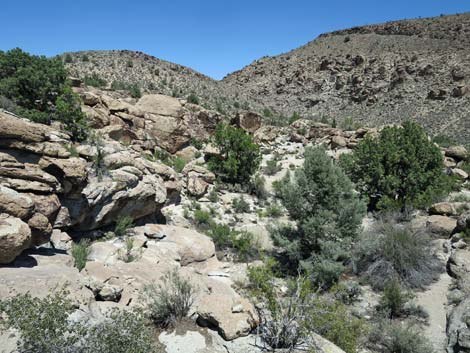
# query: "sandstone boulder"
(160, 105)
(457, 152)
(15, 236)
(441, 225)
(443, 209)
(248, 121)
(15, 204)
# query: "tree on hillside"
(399, 169)
(239, 156)
(328, 213)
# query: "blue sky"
(213, 37)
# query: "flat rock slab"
(190, 342)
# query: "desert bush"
(80, 252)
(347, 292)
(95, 81)
(85, 58)
(239, 156)
(44, 327)
(256, 187)
(393, 299)
(240, 205)
(399, 169)
(192, 98)
(127, 253)
(225, 237)
(272, 167)
(328, 213)
(261, 282)
(202, 217)
(295, 317)
(170, 301)
(332, 320)
(122, 225)
(273, 210)
(122, 331)
(393, 251)
(134, 91)
(392, 337)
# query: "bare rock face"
(248, 121)
(15, 236)
(160, 105)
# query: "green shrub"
(392, 337)
(273, 210)
(240, 205)
(348, 124)
(332, 320)
(127, 253)
(193, 99)
(123, 331)
(257, 187)
(32, 83)
(225, 238)
(170, 301)
(119, 86)
(347, 292)
(95, 81)
(272, 167)
(178, 164)
(85, 58)
(202, 217)
(68, 59)
(68, 111)
(123, 223)
(213, 196)
(239, 156)
(328, 213)
(392, 251)
(44, 327)
(399, 169)
(261, 282)
(393, 299)
(294, 117)
(80, 252)
(134, 91)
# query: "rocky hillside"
(377, 74)
(124, 67)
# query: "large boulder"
(15, 204)
(463, 222)
(160, 105)
(102, 203)
(192, 246)
(457, 152)
(441, 225)
(442, 209)
(221, 307)
(248, 121)
(15, 236)
(458, 328)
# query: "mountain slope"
(376, 74)
(155, 75)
